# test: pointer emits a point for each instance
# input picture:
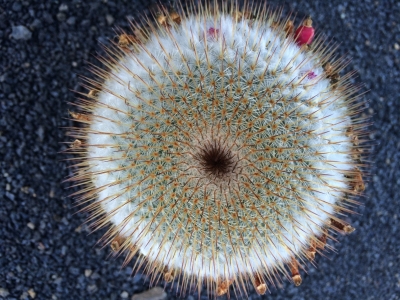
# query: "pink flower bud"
(311, 75)
(212, 32)
(305, 33)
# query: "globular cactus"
(220, 146)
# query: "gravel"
(46, 251)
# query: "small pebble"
(25, 189)
(47, 17)
(95, 276)
(16, 6)
(71, 21)
(31, 225)
(20, 32)
(32, 293)
(35, 24)
(63, 7)
(156, 293)
(10, 196)
(88, 272)
(110, 19)
(92, 288)
(124, 295)
(4, 292)
(61, 17)
(41, 246)
(40, 133)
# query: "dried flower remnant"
(220, 148)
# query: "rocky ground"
(46, 251)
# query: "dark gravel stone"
(61, 17)
(16, 6)
(71, 20)
(40, 65)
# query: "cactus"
(219, 145)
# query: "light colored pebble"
(63, 7)
(20, 32)
(4, 292)
(109, 19)
(88, 272)
(155, 293)
(32, 293)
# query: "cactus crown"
(218, 148)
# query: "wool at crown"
(219, 149)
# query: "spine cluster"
(220, 145)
